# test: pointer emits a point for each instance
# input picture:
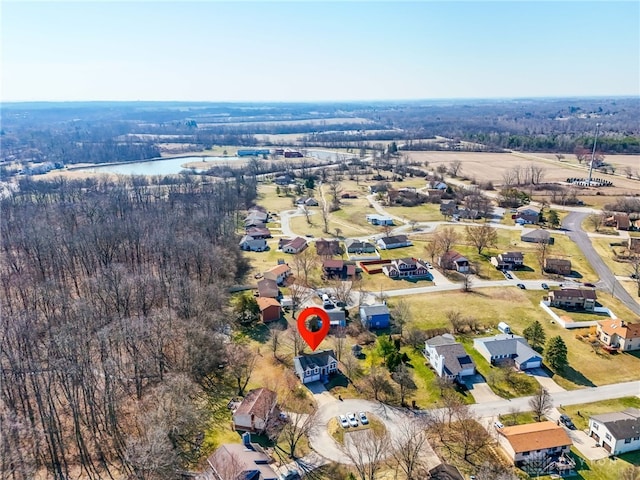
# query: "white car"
(353, 421)
(498, 424)
(342, 420)
(363, 418)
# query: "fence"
(571, 324)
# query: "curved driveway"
(573, 224)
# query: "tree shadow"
(573, 375)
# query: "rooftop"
(258, 401)
(535, 436)
(620, 328)
(625, 424)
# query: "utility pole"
(593, 154)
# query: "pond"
(169, 166)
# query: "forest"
(115, 347)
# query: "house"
(338, 269)
(543, 443)
(448, 208)
(633, 244)
(307, 201)
(527, 214)
(270, 309)
(328, 248)
(536, 235)
(256, 410)
(292, 154)
(508, 261)
(258, 216)
(406, 268)
(618, 220)
(468, 213)
(619, 334)
(292, 246)
(283, 180)
(241, 461)
(436, 185)
(394, 241)
(355, 246)
(257, 232)
(560, 266)
(377, 219)
(251, 244)
(573, 298)
(337, 317)
(279, 273)
(452, 260)
(315, 367)
(347, 195)
(504, 348)
(619, 432)
(449, 358)
(268, 288)
(375, 316)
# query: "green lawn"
(517, 418)
(588, 409)
(604, 248)
(427, 212)
(605, 469)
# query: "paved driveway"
(545, 380)
(481, 392)
(581, 440)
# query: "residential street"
(607, 283)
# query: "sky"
(317, 51)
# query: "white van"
(504, 328)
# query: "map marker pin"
(313, 339)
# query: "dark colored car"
(545, 286)
(521, 285)
(566, 421)
(589, 285)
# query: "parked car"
(591, 285)
(634, 275)
(308, 235)
(545, 286)
(566, 421)
(521, 286)
(353, 421)
(498, 424)
(363, 418)
(342, 420)
(508, 275)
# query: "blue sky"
(317, 51)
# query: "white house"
(377, 219)
(449, 358)
(619, 432)
(279, 273)
(253, 244)
(315, 367)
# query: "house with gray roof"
(449, 358)
(358, 246)
(240, 461)
(536, 235)
(314, 367)
(393, 241)
(251, 244)
(619, 432)
(502, 348)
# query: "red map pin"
(313, 339)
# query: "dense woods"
(114, 333)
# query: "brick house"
(328, 248)
(560, 266)
(270, 309)
(573, 298)
(338, 269)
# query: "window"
(607, 436)
(635, 439)
(627, 440)
(595, 426)
(525, 454)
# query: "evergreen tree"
(554, 219)
(534, 334)
(556, 353)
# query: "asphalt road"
(607, 283)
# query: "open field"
(491, 166)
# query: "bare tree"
(542, 250)
(404, 378)
(241, 362)
(467, 280)
(352, 368)
(299, 295)
(324, 210)
(307, 213)
(455, 168)
(367, 450)
(482, 236)
(274, 339)
(298, 425)
(339, 341)
(401, 315)
(296, 340)
(540, 403)
(304, 262)
(377, 382)
(432, 249)
(596, 220)
(408, 449)
(446, 238)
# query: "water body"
(170, 166)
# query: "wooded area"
(114, 331)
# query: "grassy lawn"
(379, 281)
(588, 409)
(579, 316)
(517, 418)
(427, 212)
(604, 248)
(605, 469)
(269, 199)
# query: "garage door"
(534, 364)
(312, 378)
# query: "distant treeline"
(557, 143)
